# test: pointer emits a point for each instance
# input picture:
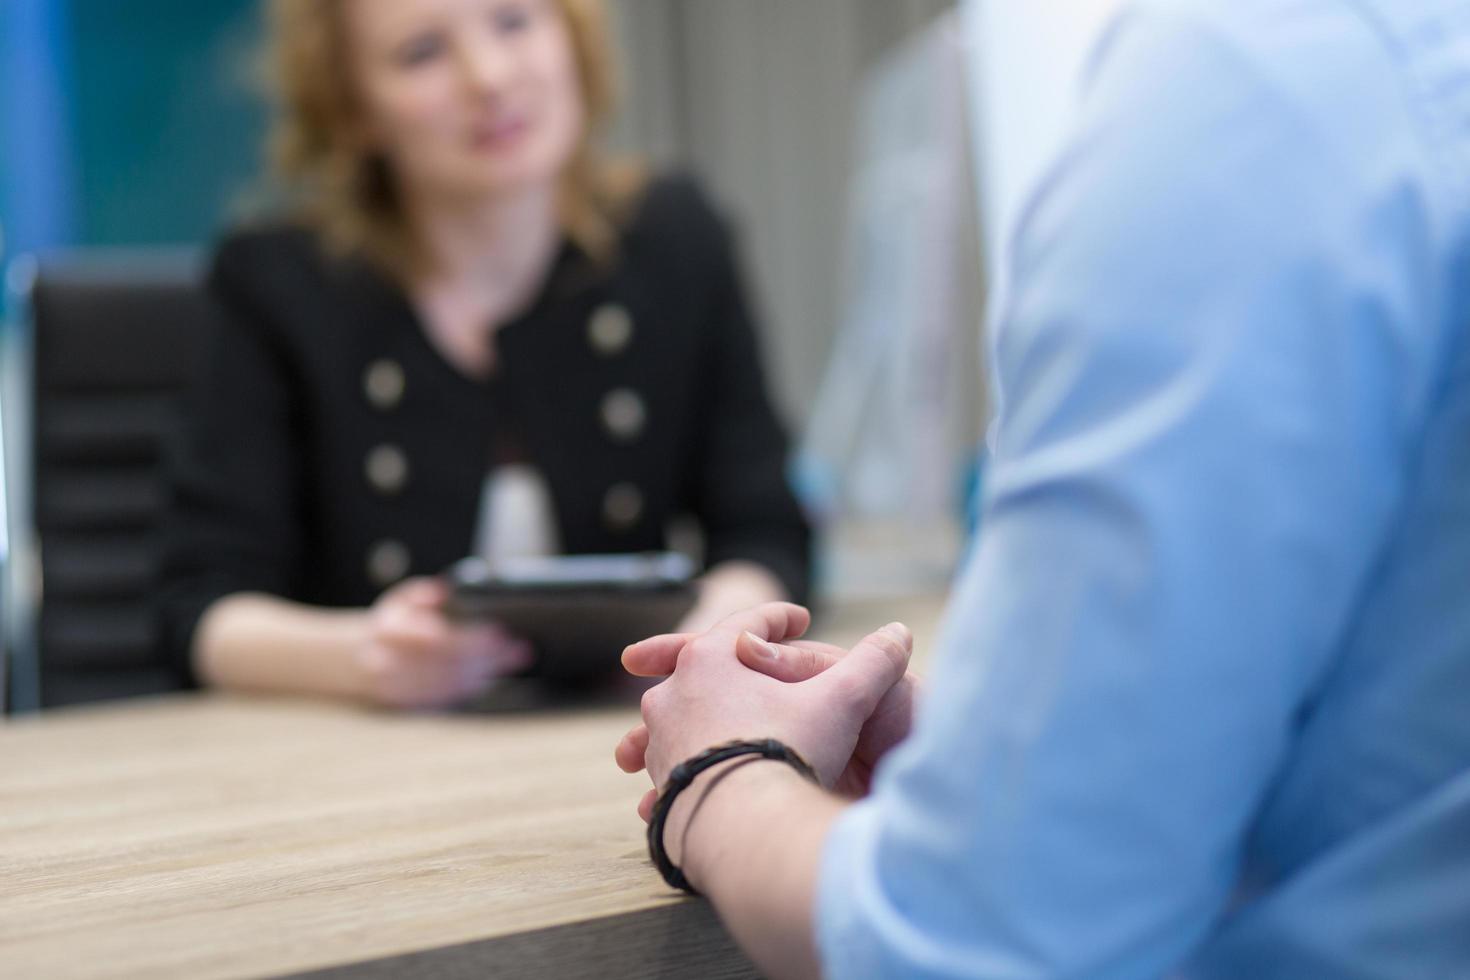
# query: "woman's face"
(467, 98)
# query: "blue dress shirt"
(1202, 703)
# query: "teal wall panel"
(167, 120)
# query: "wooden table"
(210, 836)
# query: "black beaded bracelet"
(685, 772)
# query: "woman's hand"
(726, 589)
(841, 710)
(413, 656)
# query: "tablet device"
(578, 611)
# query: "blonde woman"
(467, 304)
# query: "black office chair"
(111, 342)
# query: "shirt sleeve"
(234, 523)
(1212, 355)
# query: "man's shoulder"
(1338, 67)
(1270, 88)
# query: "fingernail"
(763, 648)
(899, 632)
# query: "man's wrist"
(697, 833)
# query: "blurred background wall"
(126, 123)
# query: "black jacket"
(331, 450)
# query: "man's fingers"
(773, 621)
(878, 662)
(787, 662)
(645, 805)
(632, 750)
(655, 656)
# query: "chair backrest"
(115, 341)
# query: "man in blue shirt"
(1202, 707)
